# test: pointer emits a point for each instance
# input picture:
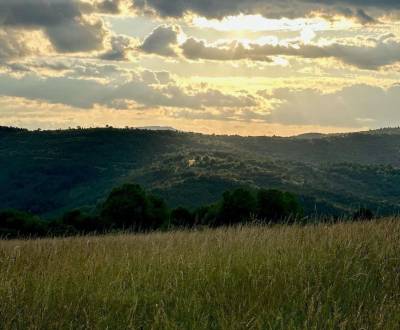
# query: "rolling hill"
(48, 172)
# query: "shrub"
(20, 224)
(77, 221)
(181, 217)
(363, 214)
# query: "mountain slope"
(48, 172)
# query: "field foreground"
(322, 277)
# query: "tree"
(236, 206)
(157, 212)
(126, 207)
(129, 207)
(275, 205)
(20, 224)
(181, 217)
(206, 215)
(77, 221)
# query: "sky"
(247, 67)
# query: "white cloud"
(356, 106)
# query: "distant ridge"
(379, 131)
(310, 136)
(383, 131)
(157, 128)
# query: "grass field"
(343, 276)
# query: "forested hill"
(48, 172)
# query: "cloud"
(15, 44)
(197, 49)
(272, 9)
(161, 78)
(121, 48)
(357, 106)
(161, 41)
(78, 36)
(67, 23)
(109, 6)
(12, 45)
(86, 93)
(371, 54)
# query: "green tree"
(129, 207)
(275, 205)
(181, 217)
(77, 221)
(236, 206)
(20, 224)
(157, 212)
(126, 207)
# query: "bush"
(77, 221)
(181, 217)
(21, 224)
(206, 215)
(363, 214)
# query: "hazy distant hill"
(309, 136)
(47, 172)
(157, 128)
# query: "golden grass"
(343, 276)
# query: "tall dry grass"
(343, 276)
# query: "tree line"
(131, 208)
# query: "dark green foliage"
(78, 222)
(126, 207)
(237, 206)
(130, 207)
(50, 172)
(20, 224)
(242, 205)
(181, 218)
(157, 213)
(206, 215)
(275, 205)
(363, 214)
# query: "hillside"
(47, 172)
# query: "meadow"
(339, 276)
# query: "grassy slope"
(322, 277)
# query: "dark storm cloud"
(271, 8)
(77, 36)
(109, 6)
(161, 41)
(34, 13)
(63, 21)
